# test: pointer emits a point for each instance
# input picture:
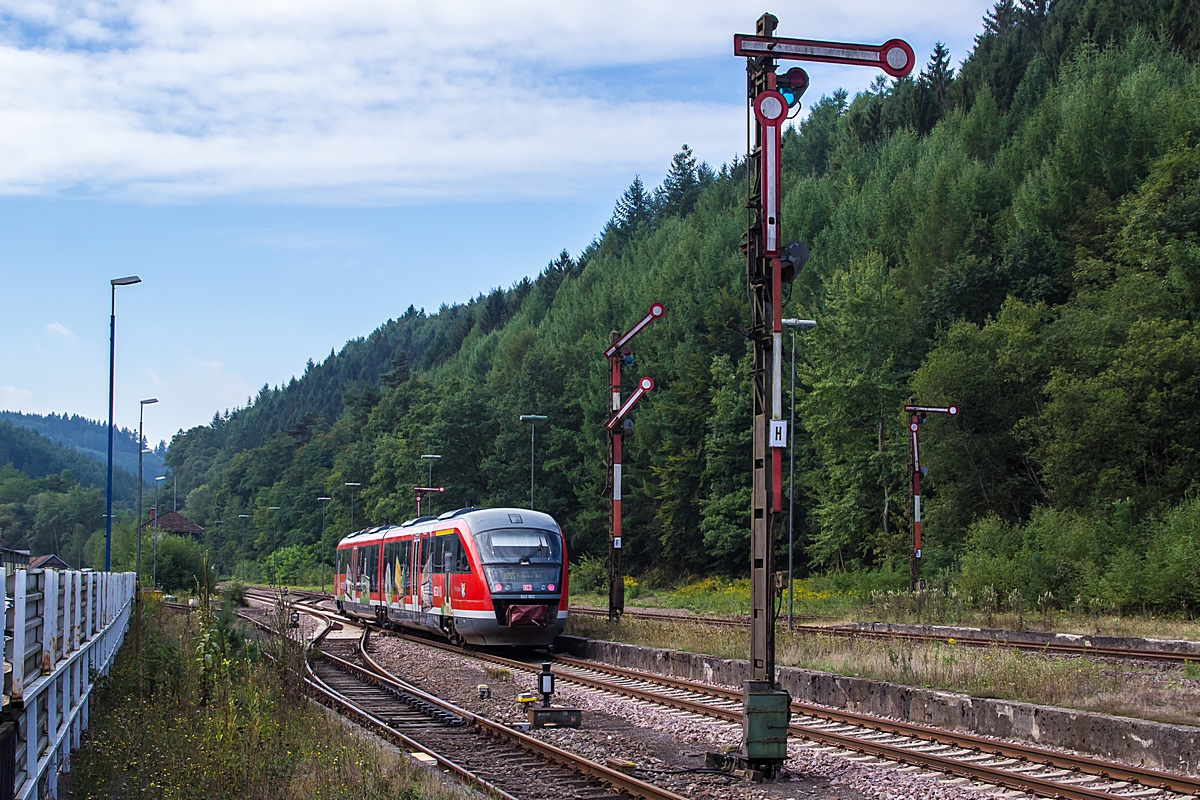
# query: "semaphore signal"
(770, 264)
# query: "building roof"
(49, 561)
(173, 522)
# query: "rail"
(62, 631)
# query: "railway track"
(1083, 648)
(501, 762)
(1013, 766)
(1054, 648)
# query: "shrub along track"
(503, 763)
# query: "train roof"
(477, 519)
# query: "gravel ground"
(658, 738)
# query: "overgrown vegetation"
(1022, 238)
(207, 717)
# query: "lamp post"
(352, 487)
(217, 558)
(533, 420)
(803, 325)
(141, 452)
(112, 372)
(324, 501)
(243, 550)
(274, 536)
(431, 457)
(154, 572)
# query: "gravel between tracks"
(659, 738)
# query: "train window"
(520, 546)
(370, 566)
(431, 554)
(454, 555)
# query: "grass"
(999, 672)
(834, 600)
(204, 717)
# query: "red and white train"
(488, 576)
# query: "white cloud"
(368, 98)
(58, 329)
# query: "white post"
(76, 620)
(49, 621)
(18, 660)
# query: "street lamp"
(243, 551)
(154, 573)
(274, 537)
(324, 501)
(533, 420)
(803, 325)
(141, 450)
(112, 372)
(431, 457)
(352, 487)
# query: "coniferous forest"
(1020, 236)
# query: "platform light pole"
(112, 374)
(137, 626)
(431, 457)
(154, 570)
(794, 325)
(243, 550)
(770, 264)
(352, 486)
(274, 538)
(533, 420)
(141, 451)
(324, 501)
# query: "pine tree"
(681, 188)
(633, 208)
(933, 89)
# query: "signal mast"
(769, 265)
(620, 354)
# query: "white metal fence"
(62, 630)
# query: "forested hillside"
(90, 438)
(1022, 237)
(52, 498)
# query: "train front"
(523, 559)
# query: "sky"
(286, 176)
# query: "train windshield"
(520, 546)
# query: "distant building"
(173, 522)
(50, 561)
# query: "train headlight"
(496, 587)
(549, 587)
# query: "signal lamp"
(792, 85)
(791, 260)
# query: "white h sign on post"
(779, 433)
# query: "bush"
(180, 563)
(590, 574)
(233, 593)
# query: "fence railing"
(62, 630)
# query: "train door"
(428, 561)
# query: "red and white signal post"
(916, 418)
(619, 353)
(764, 732)
(421, 491)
